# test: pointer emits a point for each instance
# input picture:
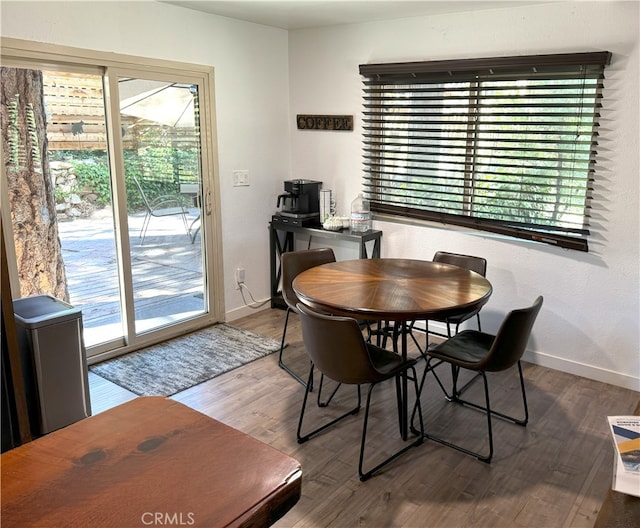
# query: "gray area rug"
(176, 365)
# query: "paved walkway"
(167, 273)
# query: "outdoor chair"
(160, 207)
(292, 264)
(480, 352)
(338, 350)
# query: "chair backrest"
(477, 264)
(295, 262)
(512, 338)
(142, 194)
(336, 347)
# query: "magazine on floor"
(626, 438)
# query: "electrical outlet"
(239, 277)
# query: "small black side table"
(281, 240)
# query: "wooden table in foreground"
(151, 461)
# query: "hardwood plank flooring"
(553, 473)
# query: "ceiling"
(304, 14)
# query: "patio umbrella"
(170, 104)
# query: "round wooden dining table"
(391, 289)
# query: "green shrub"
(153, 168)
(94, 177)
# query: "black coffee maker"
(300, 203)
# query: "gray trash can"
(53, 361)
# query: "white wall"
(589, 322)
(251, 91)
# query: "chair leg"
(468, 383)
(304, 437)
(482, 457)
(518, 421)
(458, 391)
(424, 355)
(186, 224)
(455, 392)
(282, 345)
(365, 475)
(399, 403)
(487, 410)
(427, 368)
(455, 371)
(524, 397)
(422, 351)
(319, 401)
(145, 225)
(435, 375)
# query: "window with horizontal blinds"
(506, 145)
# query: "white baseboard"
(580, 369)
(243, 311)
(537, 358)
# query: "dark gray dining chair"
(472, 263)
(338, 350)
(477, 264)
(481, 352)
(292, 264)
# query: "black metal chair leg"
(399, 404)
(487, 410)
(442, 387)
(518, 421)
(284, 335)
(420, 387)
(420, 435)
(282, 346)
(303, 438)
(524, 398)
(319, 400)
(415, 340)
(454, 383)
(479, 456)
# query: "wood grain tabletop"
(147, 462)
(391, 289)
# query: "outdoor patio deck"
(167, 273)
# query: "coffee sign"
(324, 122)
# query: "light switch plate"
(240, 178)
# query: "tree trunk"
(31, 191)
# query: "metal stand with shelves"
(282, 239)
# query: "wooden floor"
(553, 473)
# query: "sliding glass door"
(160, 123)
(109, 190)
